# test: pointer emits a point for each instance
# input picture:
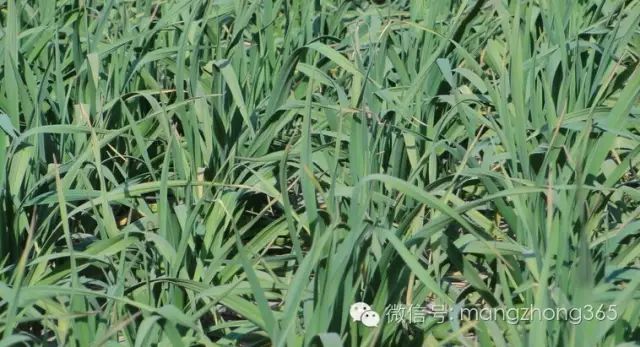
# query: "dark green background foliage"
(190, 172)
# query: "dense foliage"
(239, 172)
